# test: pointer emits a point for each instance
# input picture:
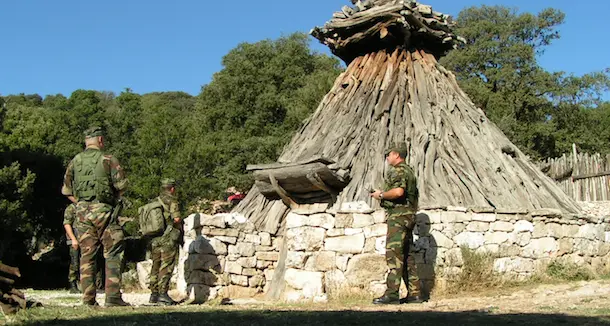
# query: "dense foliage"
(542, 112)
(244, 115)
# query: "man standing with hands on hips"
(399, 198)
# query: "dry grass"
(568, 271)
(477, 274)
(345, 294)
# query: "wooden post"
(575, 170)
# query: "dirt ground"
(577, 303)
(575, 298)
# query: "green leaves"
(540, 111)
(16, 194)
(251, 109)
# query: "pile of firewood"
(11, 299)
(374, 24)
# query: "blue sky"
(51, 47)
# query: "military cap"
(94, 131)
(400, 148)
(168, 182)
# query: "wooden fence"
(585, 177)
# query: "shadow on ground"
(286, 317)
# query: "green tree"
(251, 109)
(158, 139)
(498, 68)
(16, 189)
(56, 102)
(123, 120)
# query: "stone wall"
(336, 249)
(222, 252)
(327, 252)
(522, 242)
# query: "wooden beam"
(315, 179)
(590, 175)
(294, 179)
(282, 193)
(315, 159)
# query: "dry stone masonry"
(224, 253)
(331, 251)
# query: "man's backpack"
(152, 221)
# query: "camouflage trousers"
(398, 244)
(73, 270)
(163, 261)
(97, 233)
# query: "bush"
(568, 271)
(477, 273)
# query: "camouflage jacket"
(112, 166)
(70, 219)
(70, 214)
(401, 176)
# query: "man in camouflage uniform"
(71, 237)
(165, 247)
(399, 198)
(95, 181)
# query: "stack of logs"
(11, 299)
(375, 24)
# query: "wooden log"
(14, 271)
(278, 283)
(6, 280)
(273, 219)
(19, 301)
(294, 179)
(282, 193)
(8, 309)
(17, 293)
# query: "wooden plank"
(315, 159)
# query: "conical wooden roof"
(401, 93)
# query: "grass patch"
(349, 295)
(477, 273)
(604, 273)
(568, 271)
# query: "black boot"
(74, 287)
(386, 299)
(412, 299)
(91, 303)
(165, 299)
(154, 297)
(116, 302)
